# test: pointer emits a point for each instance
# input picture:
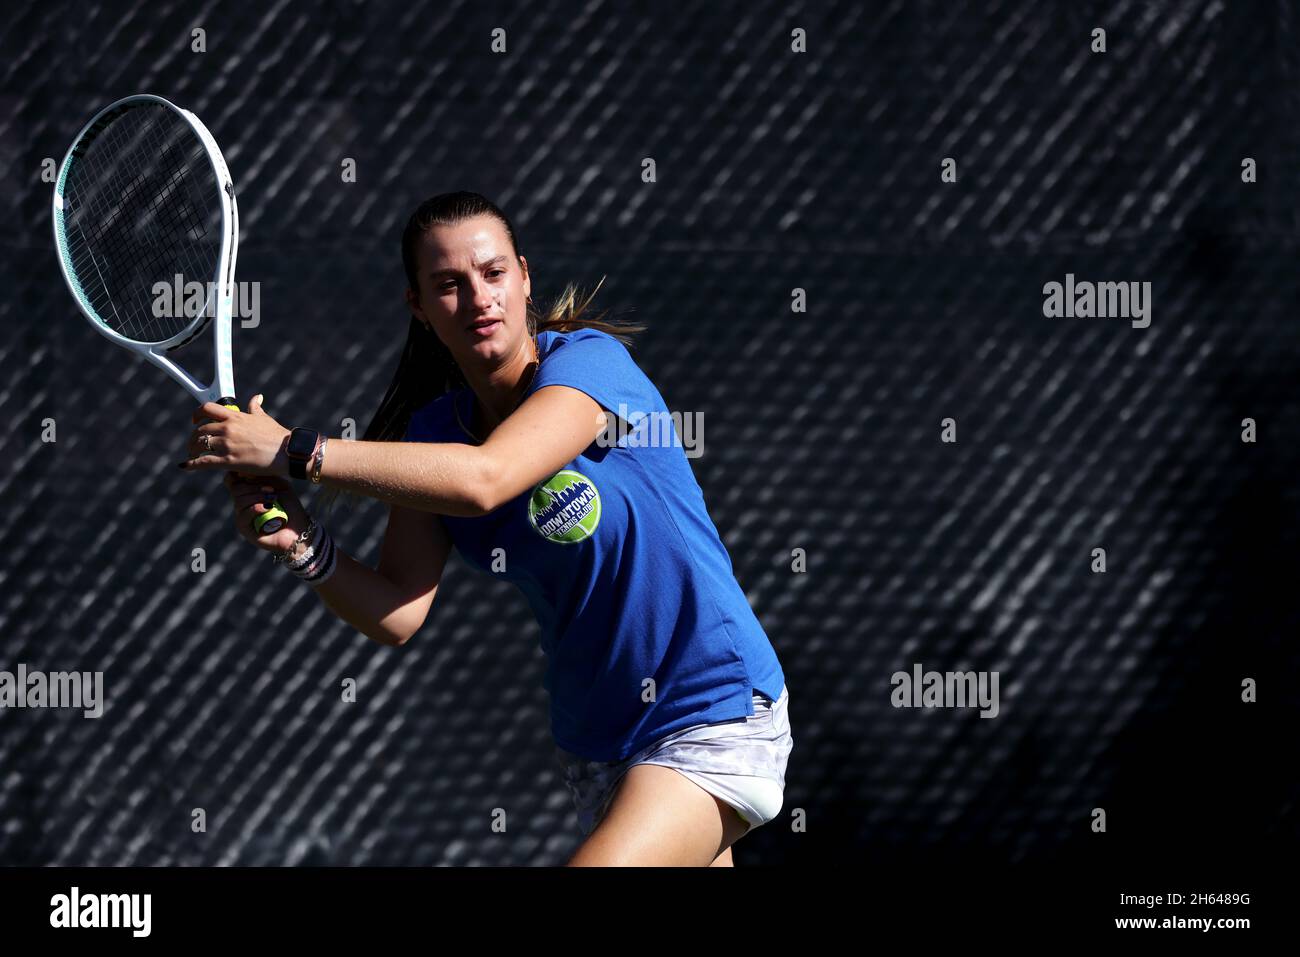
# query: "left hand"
(249, 442)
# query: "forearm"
(447, 478)
(367, 601)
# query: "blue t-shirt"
(621, 564)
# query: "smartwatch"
(302, 447)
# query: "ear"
(413, 304)
(528, 282)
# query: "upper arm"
(553, 427)
(413, 556)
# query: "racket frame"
(221, 286)
(222, 388)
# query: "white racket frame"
(222, 388)
(221, 286)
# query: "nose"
(482, 299)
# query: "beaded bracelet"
(302, 560)
(318, 571)
(319, 559)
(306, 536)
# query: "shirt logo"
(565, 508)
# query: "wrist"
(301, 451)
(282, 459)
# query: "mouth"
(485, 328)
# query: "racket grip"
(275, 517)
(270, 521)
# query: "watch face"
(302, 442)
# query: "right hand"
(248, 493)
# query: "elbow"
(387, 638)
(397, 637)
(393, 632)
(397, 630)
(400, 633)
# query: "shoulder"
(600, 365)
(576, 340)
(583, 349)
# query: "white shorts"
(741, 762)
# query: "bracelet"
(318, 561)
(322, 566)
(325, 575)
(302, 560)
(319, 460)
(306, 536)
(310, 567)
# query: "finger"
(211, 411)
(255, 404)
(254, 493)
(199, 447)
(250, 513)
(210, 434)
(250, 491)
(246, 488)
(202, 463)
(276, 483)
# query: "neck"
(500, 390)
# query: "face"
(473, 292)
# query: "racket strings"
(141, 207)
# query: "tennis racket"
(143, 197)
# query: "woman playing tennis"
(525, 440)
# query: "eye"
(493, 272)
(447, 285)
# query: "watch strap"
(298, 461)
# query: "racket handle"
(275, 517)
(270, 521)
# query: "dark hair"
(426, 368)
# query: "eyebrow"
(494, 261)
